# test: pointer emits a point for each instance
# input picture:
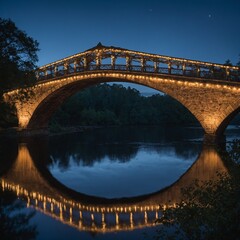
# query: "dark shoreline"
(16, 132)
(19, 133)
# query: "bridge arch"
(45, 109)
(212, 104)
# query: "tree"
(228, 62)
(116, 105)
(18, 57)
(238, 63)
(14, 222)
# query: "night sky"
(207, 30)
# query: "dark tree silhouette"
(18, 56)
(116, 105)
(14, 222)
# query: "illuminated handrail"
(131, 61)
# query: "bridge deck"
(119, 59)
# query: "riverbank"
(61, 130)
(68, 130)
(17, 132)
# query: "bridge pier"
(214, 139)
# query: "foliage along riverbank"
(111, 105)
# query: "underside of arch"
(51, 103)
(226, 122)
(40, 117)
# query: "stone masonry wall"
(210, 102)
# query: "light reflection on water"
(116, 164)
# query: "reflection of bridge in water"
(40, 190)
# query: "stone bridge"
(31, 180)
(209, 91)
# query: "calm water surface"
(122, 162)
(106, 163)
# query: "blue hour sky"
(207, 30)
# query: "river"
(105, 183)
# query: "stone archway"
(211, 103)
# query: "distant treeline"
(116, 105)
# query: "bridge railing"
(102, 58)
(219, 75)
